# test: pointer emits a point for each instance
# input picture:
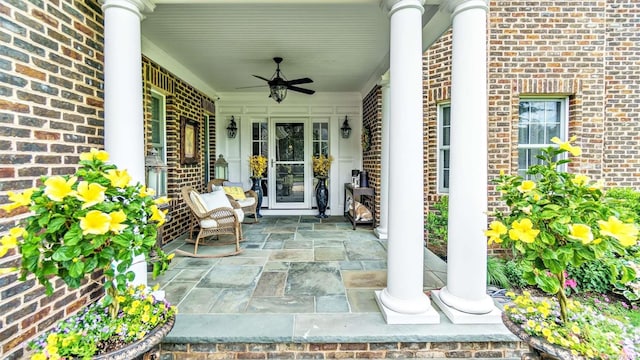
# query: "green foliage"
(496, 272)
(626, 201)
(88, 221)
(514, 273)
(591, 277)
(559, 219)
(437, 222)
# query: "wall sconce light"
(221, 168)
(232, 129)
(345, 129)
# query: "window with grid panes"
(320, 138)
(540, 119)
(158, 141)
(259, 140)
(444, 143)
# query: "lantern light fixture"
(345, 129)
(232, 129)
(221, 168)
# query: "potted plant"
(257, 168)
(556, 218)
(93, 220)
(321, 166)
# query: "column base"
(459, 317)
(381, 233)
(392, 317)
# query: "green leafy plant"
(92, 220)
(514, 273)
(437, 222)
(496, 272)
(557, 219)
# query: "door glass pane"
(290, 183)
(289, 142)
(290, 163)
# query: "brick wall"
(50, 111)
(585, 50)
(390, 350)
(183, 100)
(371, 158)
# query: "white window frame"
(564, 125)
(442, 148)
(162, 145)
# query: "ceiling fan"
(278, 84)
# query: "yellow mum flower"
(57, 188)
(526, 186)
(531, 323)
(95, 154)
(581, 232)
(580, 180)
(39, 356)
(575, 329)
(157, 215)
(118, 178)
(573, 150)
(536, 197)
(116, 224)
(90, 194)
(19, 199)
(626, 234)
(546, 332)
(145, 191)
(523, 230)
(95, 222)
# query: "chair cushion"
(247, 202)
(235, 191)
(240, 214)
(208, 223)
(215, 199)
(198, 202)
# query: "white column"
(382, 229)
(403, 300)
(464, 299)
(123, 114)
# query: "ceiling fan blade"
(304, 91)
(299, 81)
(262, 78)
(248, 87)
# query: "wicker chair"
(222, 220)
(249, 206)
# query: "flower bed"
(93, 331)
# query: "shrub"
(496, 272)
(514, 273)
(592, 277)
(437, 222)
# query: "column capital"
(394, 5)
(384, 80)
(457, 6)
(137, 6)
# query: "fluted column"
(464, 299)
(403, 300)
(123, 113)
(382, 231)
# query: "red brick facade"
(51, 110)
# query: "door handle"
(272, 162)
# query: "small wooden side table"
(356, 194)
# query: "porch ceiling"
(340, 44)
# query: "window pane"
(446, 115)
(255, 131)
(523, 134)
(445, 159)
(316, 148)
(316, 131)
(264, 149)
(446, 134)
(536, 134)
(255, 149)
(445, 179)
(325, 132)
(325, 149)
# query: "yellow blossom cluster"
(257, 165)
(321, 165)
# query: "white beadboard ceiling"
(340, 44)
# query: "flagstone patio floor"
(299, 279)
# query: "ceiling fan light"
(278, 92)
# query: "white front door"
(289, 164)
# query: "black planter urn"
(322, 197)
(257, 187)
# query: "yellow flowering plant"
(556, 218)
(257, 165)
(95, 219)
(321, 165)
